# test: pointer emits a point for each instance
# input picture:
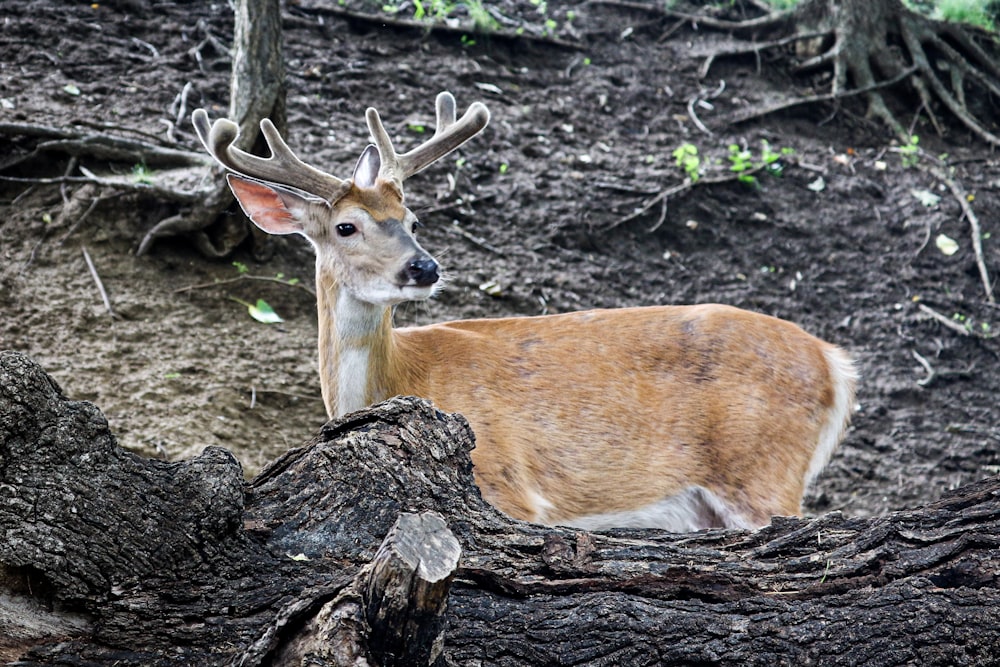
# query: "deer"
(672, 417)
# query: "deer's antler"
(449, 135)
(282, 168)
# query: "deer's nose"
(423, 272)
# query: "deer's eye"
(417, 224)
(346, 229)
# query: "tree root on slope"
(871, 45)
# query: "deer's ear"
(272, 208)
(366, 170)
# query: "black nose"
(423, 272)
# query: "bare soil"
(524, 221)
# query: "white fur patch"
(844, 376)
(355, 323)
(694, 508)
(541, 506)
(352, 380)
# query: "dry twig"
(688, 184)
(948, 322)
(98, 282)
(246, 276)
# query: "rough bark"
(142, 562)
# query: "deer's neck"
(358, 359)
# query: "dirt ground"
(839, 243)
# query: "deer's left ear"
(274, 209)
(366, 170)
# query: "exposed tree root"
(174, 175)
(871, 44)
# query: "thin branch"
(757, 47)
(688, 184)
(246, 276)
(927, 367)
(166, 194)
(977, 235)
(79, 221)
(105, 146)
(97, 281)
(976, 230)
(662, 196)
(946, 321)
(694, 116)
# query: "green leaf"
(262, 312)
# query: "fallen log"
(372, 545)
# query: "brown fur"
(610, 410)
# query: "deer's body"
(677, 417)
(651, 404)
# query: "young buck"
(675, 417)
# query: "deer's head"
(360, 228)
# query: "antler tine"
(283, 167)
(449, 135)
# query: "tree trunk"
(346, 551)
(257, 86)
(256, 91)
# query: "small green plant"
(437, 11)
(481, 17)
(781, 5)
(142, 174)
(771, 159)
(686, 157)
(968, 323)
(741, 162)
(910, 153)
